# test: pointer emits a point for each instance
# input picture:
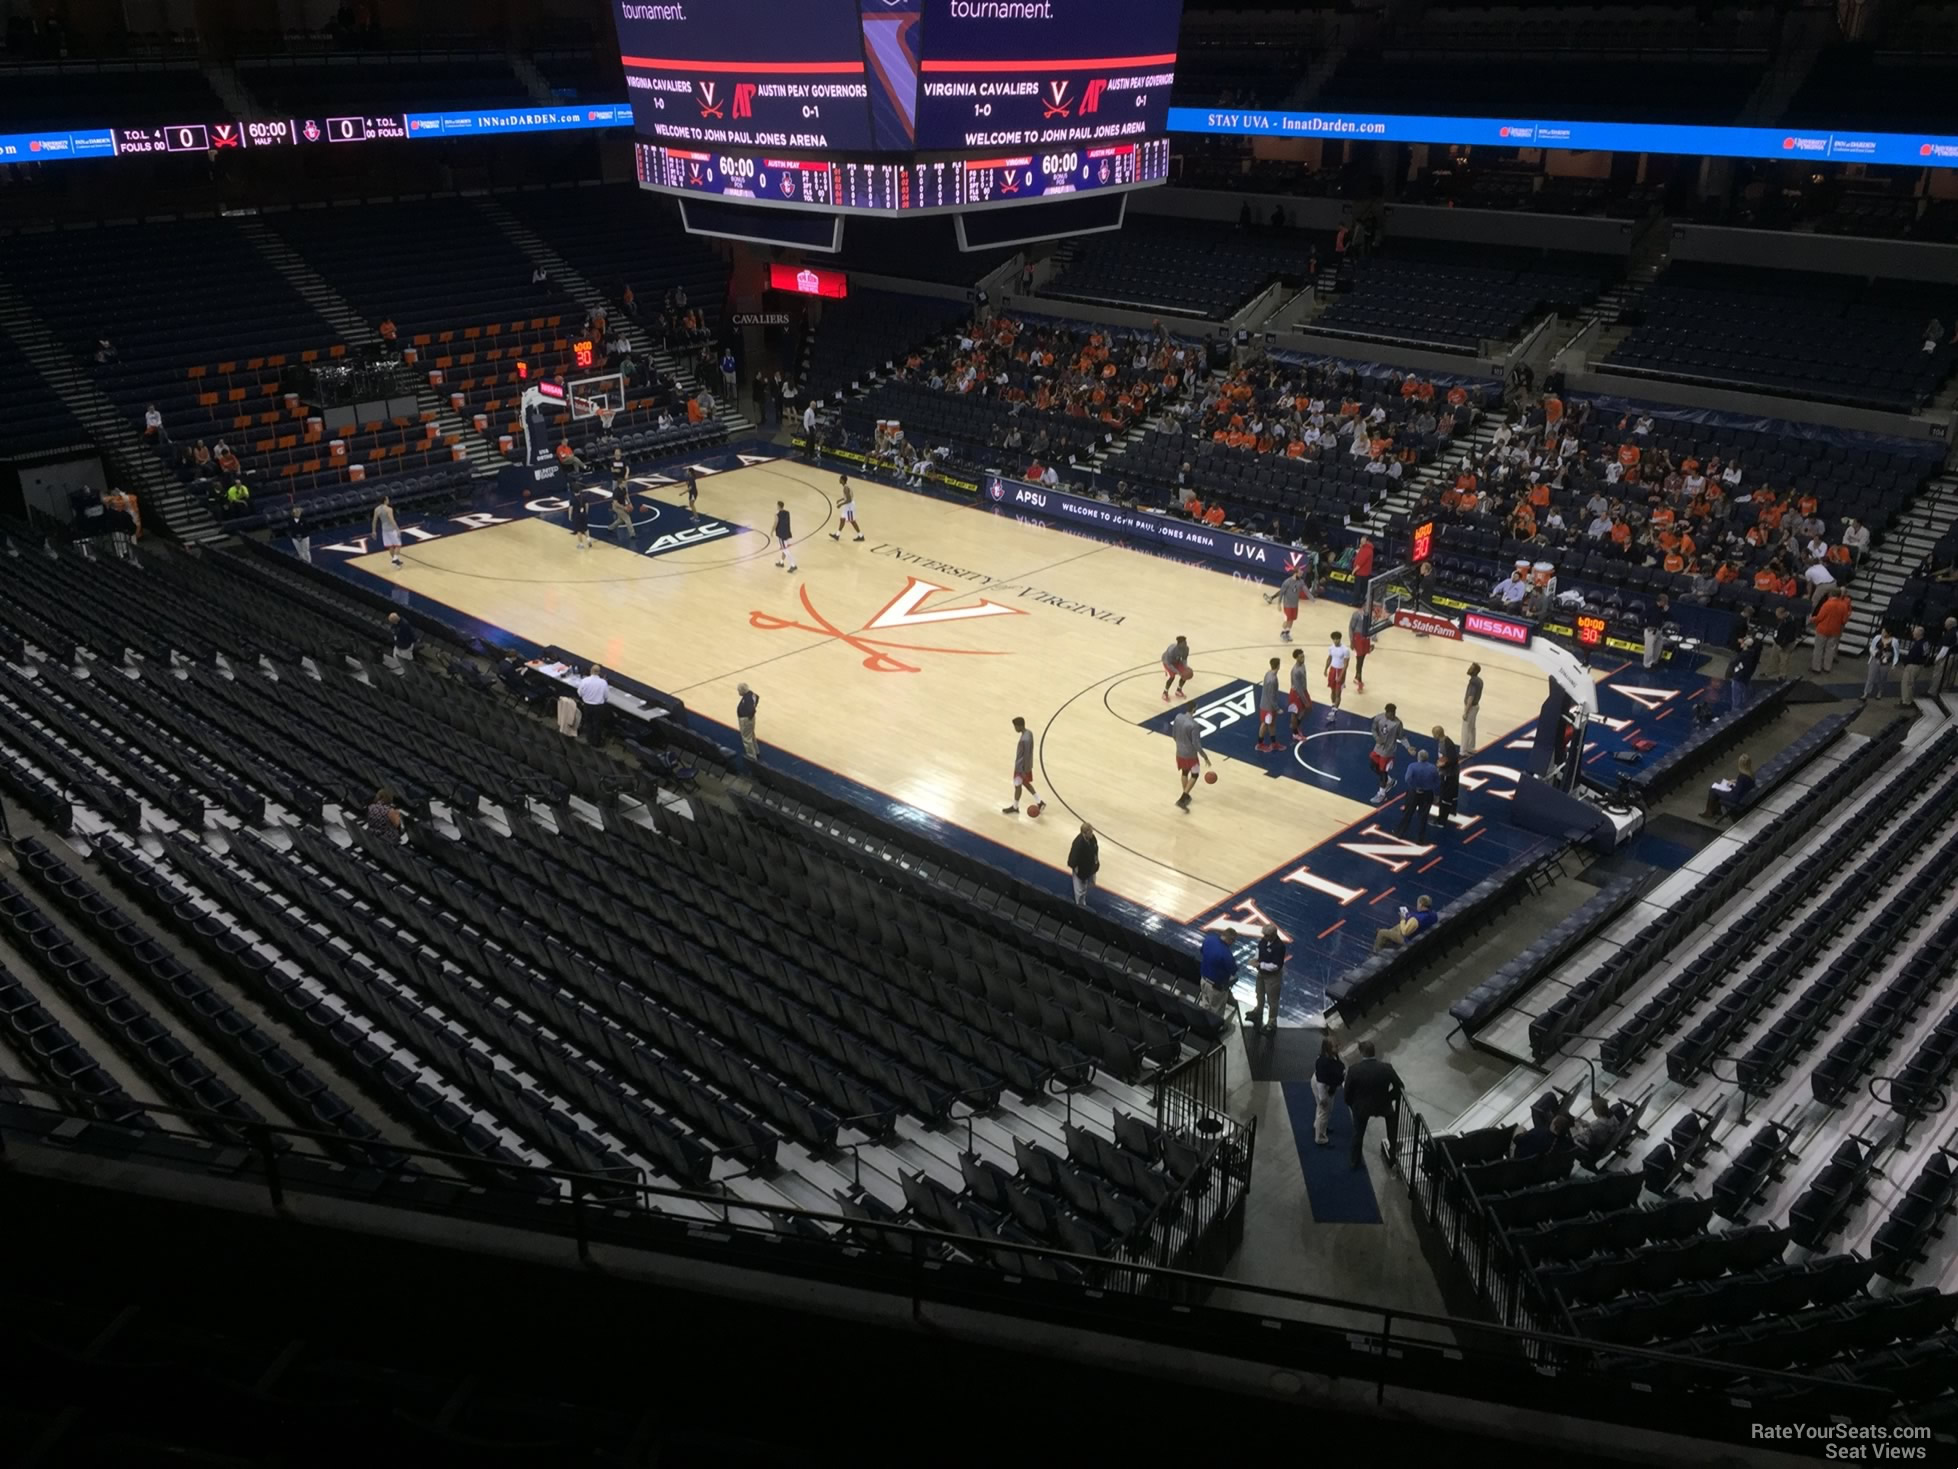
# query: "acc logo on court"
(689, 535)
(905, 610)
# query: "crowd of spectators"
(1055, 388)
(1557, 482)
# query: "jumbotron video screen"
(880, 105)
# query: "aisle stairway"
(359, 333)
(587, 295)
(1899, 552)
(130, 463)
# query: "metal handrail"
(1193, 1283)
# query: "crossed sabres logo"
(905, 610)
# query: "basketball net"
(1386, 593)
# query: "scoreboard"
(884, 185)
(899, 104)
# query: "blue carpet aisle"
(1338, 1193)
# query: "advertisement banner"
(1250, 552)
(1918, 150)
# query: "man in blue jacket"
(1218, 966)
(1423, 780)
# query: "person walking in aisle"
(302, 540)
(744, 717)
(1884, 654)
(1373, 1089)
(1740, 672)
(1328, 1076)
(1828, 620)
(401, 633)
(1471, 706)
(1657, 614)
(1083, 862)
(1217, 965)
(1271, 979)
(1915, 660)
(593, 691)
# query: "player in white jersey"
(1337, 657)
(1023, 771)
(846, 510)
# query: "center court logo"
(905, 610)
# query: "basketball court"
(897, 663)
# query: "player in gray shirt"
(1268, 710)
(1300, 696)
(1387, 737)
(1360, 640)
(1022, 771)
(1176, 663)
(1288, 600)
(1188, 739)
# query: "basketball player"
(846, 510)
(619, 469)
(622, 512)
(1188, 737)
(1300, 697)
(782, 538)
(387, 528)
(1176, 663)
(1337, 657)
(1288, 599)
(580, 520)
(1388, 732)
(693, 494)
(1268, 711)
(1361, 641)
(1022, 771)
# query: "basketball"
(1036, 808)
(1210, 777)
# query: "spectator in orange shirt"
(1726, 572)
(1828, 620)
(1766, 579)
(1214, 515)
(694, 413)
(1629, 455)
(1621, 534)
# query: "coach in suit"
(1373, 1089)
